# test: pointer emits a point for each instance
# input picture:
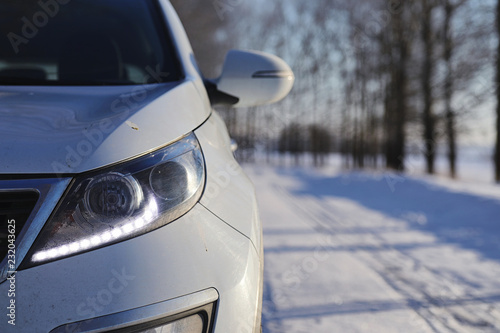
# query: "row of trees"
(374, 76)
(421, 69)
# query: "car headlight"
(123, 201)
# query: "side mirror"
(251, 78)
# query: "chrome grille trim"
(51, 190)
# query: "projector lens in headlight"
(123, 201)
(112, 196)
(169, 180)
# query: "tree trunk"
(448, 91)
(497, 150)
(396, 122)
(427, 72)
(401, 108)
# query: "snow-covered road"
(378, 253)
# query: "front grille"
(17, 206)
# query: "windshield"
(84, 42)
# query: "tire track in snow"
(440, 312)
(319, 225)
(447, 305)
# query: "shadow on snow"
(464, 220)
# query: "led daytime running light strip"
(150, 215)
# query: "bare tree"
(449, 46)
(292, 140)
(429, 118)
(398, 53)
(448, 88)
(497, 150)
(320, 142)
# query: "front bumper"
(171, 269)
(197, 308)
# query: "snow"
(378, 252)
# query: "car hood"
(67, 130)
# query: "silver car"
(122, 208)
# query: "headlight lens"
(111, 196)
(123, 201)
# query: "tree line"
(374, 77)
